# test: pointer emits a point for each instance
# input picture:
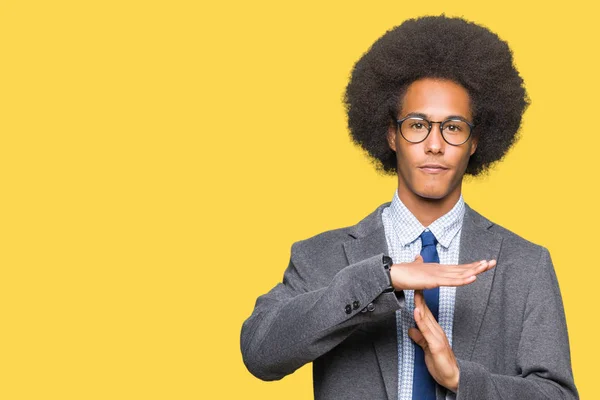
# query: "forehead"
(437, 99)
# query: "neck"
(428, 210)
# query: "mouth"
(433, 168)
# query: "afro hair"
(444, 48)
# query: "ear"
(473, 145)
(391, 137)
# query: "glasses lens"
(456, 131)
(414, 129)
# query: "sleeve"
(296, 322)
(543, 360)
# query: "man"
(424, 298)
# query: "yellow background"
(159, 158)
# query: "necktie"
(423, 383)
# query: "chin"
(432, 195)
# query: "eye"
(417, 125)
(455, 127)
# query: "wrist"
(387, 266)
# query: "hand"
(439, 357)
(420, 275)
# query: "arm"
(543, 359)
(301, 319)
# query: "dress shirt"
(402, 232)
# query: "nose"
(435, 142)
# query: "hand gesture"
(439, 357)
(419, 275)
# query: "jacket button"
(370, 307)
(356, 304)
(348, 308)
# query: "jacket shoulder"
(512, 243)
(328, 244)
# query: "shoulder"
(523, 267)
(331, 242)
(513, 245)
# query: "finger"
(417, 337)
(432, 333)
(485, 264)
(482, 267)
(418, 259)
(458, 281)
(424, 326)
(420, 302)
(456, 273)
(426, 315)
(469, 269)
(424, 311)
(473, 266)
(460, 275)
(467, 272)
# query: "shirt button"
(356, 304)
(348, 308)
(370, 307)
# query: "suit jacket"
(509, 333)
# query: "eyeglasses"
(416, 129)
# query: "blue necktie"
(423, 383)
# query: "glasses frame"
(400, 121)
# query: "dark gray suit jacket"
(509, 333)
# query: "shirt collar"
(408, 228)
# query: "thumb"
(418, 258)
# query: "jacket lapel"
(476, 243)
(368, 239)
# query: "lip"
(433, 168)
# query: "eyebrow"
(425, 116)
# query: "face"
(432, 169)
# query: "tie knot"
(428, 239)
